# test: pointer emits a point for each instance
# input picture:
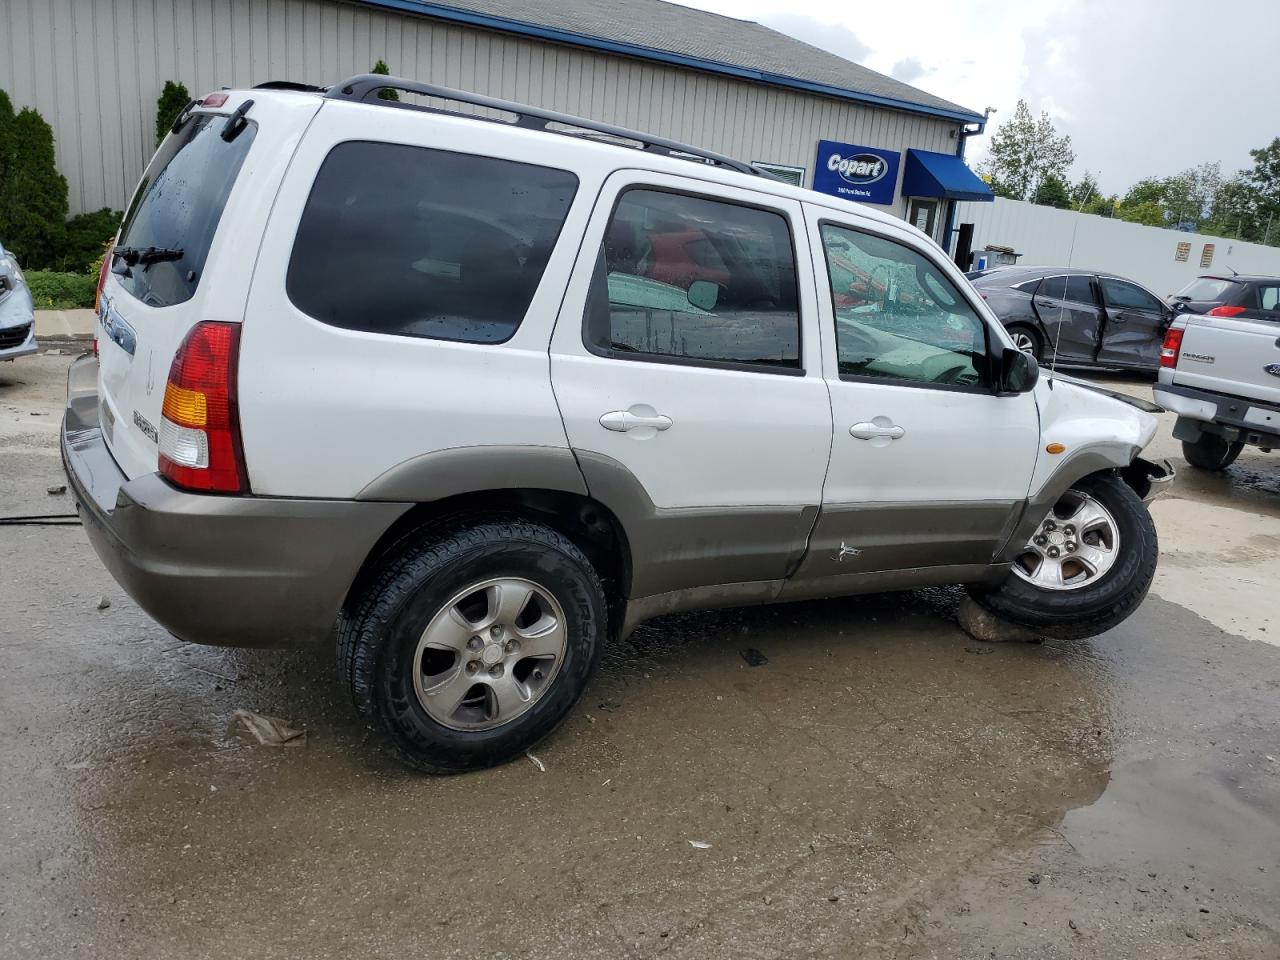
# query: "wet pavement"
(882, 786)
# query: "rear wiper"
(145, 256)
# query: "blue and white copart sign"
(866, 174)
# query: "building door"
(922, 213)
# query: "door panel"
(712, 452)
(1134, 327)
(927, 468)
(1067, 308)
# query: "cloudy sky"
(1143, 87)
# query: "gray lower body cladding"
(231, 571)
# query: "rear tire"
(457, 670)
(1211, 452)
(1094, 604)
(1027, 339)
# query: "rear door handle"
(870, 431)
(620, 421)
(1045, 303)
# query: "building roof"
(670, 33)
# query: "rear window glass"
(419, 242)
(177, 207)
(1205, 288)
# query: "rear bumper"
(231, 571)
(1254, 422)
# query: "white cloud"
(1143, 87)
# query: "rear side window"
(695, 280)
(177, 207)
(418, 242)
(1206, 288)
(1118, 293)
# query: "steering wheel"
(959, 376)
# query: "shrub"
(86, 235)
(172, 99)
(33, 194)
(382, 70)
(53, 290)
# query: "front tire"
(1088, 566)
(470, 646)
(1211, 452)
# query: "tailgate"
(198, 211)
(1232, 356)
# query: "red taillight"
(1225, 311)
(1172, 344)
(200, 445)
(214, 100)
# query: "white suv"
(467, 397)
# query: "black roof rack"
(362, 88)
(289, 85)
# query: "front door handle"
(621, 421)
(874, 431)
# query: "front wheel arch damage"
(1098, 605)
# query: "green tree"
(1147, 212)
(172, 99)
(1147, 190)
(1235, 212)
(6, 141)
(1264, 180)
(1024, 151)
(33, 195)
(382, 70)
(87, 233)
(1083, 191)
(1052, 192)
(1101, 206)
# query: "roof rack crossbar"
(362, 88)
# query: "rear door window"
(176, 209)
(1129, 296)
(419, 242)
(695, 280)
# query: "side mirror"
(1019, 372)
(704, 294)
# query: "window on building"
(1129, 296)
(696, 280)
(898, 316)
(426, 243)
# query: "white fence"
(1149, 255)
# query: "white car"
(17, 320)
(466, 398)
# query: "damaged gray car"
(1091, 318)
(17, 319)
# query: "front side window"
(1119, 293)
(898, 317)
(695, 280)
(418, 242)
(170, 224)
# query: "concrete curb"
(65, 324)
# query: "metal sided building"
(94, 69)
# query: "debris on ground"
(977, 650)
(754, 657)
(103, 603)
(268, 731)
(984, 625)
(699, 844)
(1035, 879)
(57, 490)
(536, 762)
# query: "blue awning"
(942, 175)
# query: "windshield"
(175, 212)
(1205, 288)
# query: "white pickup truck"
(1221, 376)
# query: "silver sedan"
(17, 321)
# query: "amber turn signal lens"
(1054, 448)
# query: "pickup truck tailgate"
(1226, 355)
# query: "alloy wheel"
(489, 654)
(1074, 546)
